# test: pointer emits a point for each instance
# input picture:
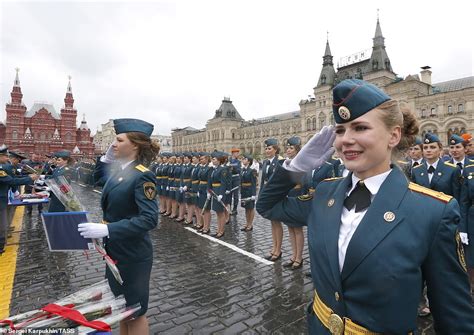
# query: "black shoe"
(244, 228)
(234, 212)
(274, 258)
(308, 274)
(269, 257)
(297, 265)
(288, 264)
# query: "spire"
(16, 94)
(84, 125)
(327, 73)
(69, 100)
(17, 79)
(379, 59)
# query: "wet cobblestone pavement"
(197, 286)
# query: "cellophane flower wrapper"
(92, 293)
(125, 313)
(65, 193)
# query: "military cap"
(295, 140)
(455, 139)
(203, 153)
(234, 150)
(62, 154)
(188, 154)
(467, 137)
(16, 155)
(3, 150)
(129, 125)
(431, 138)
(271, 141)
(217, 154)
(353, 98)
(248, 156)
(418, 141)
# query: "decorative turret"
(28, 135)
(327, 73)
(83, 125)
(69, 100)
(16, 94)
(379, 59)
(227, 110)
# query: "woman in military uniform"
(179, 194)
(130, 211)
(218, 181)
(204, 205)
(373, 236)
(466, 227)
(434, 173)
(63, 163)
(248, 191)
(295, 231)
(192, 187)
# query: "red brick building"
(41, 129)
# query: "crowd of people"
(389, 215)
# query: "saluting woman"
(373, 236)
(130, 211)
(63, 163)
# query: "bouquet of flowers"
(64, 192)
(90, 309)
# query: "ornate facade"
(42, 130)
(442, 108)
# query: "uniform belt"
(202, 182)
(246, 184)
(336, 324)
(173, 188)
(195, 181)
(235, 175)
(186, 180)
(216, 184)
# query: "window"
(433, 111)
(450, 109)
(460, 108)
(323, 79)
(14, 135)
(308, 124)
(423, 113)
(314, 124)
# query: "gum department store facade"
(442, 108)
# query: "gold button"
(336, 295)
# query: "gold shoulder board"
(470, 165)
(434, 194)
(332, 179)
(141, 168)
(3, 173)
(402, 162)
(305, 197)
(419, 165)
(450, 164)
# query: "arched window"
(14, 135)
(322, 120)
(308, 124)
(313, 123)
(68, 137)
(433, 111)
(460, 108)
(323, 79)
(450, 110)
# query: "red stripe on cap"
(348, 96)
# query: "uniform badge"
(344, 113)
(427, 141)
(305, 197)
(389, 216)
(120, 179)
(422, 174)
(439, 173)
(330, 202)
(460, 250)
(149, 189)
(453, 142)
(469, 177)
(3, 174)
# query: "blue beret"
(3, 150)
(16, 155)
(418, 141)
(129, 125)
(271, 141)
(295, 140)
(218, 154)
(62, 154)
(455, 139)
(431, 138)
(353, 98)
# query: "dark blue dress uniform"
(178, 182)
(54, 204)
(194, 190)
(172, 181)
(165, 175)
(268, 165)
(204, 175)
(218, 180)
(407, 234)
(446, 178)
(248, 187)
(130, 209)
(467, 211)
(186, 181)
(311, 180)
(235, 171)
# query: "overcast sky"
(172, 62)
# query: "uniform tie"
(416, 164)
(460, 165)
(431, 169)
(359, 197)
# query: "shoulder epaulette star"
(434, 194)
(450, 164)
(141, 168)
(332, 179)
(416, 167)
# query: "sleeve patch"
(3, 173)
(149, 189)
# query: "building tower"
(68, 119)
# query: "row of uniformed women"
(197, 187)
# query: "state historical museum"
(42, 130)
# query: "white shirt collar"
(126, 164)
(461, 161)
(373, 183)
(435, 164)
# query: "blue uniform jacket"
(248, 182)
(317, 175)
(131, 210)
(380, 284)
(446, 178)
(467, 211)
(7, 180)
(54, 204)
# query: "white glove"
(109, 156)
(208, 196)
(167, 188)
(42, 176)
(185, 188)
(93, 230)
(464, 238)
(314, 153)
(252, 197)
(39, 182)
(219, 197)
(181, 189)
(227, 192)
(197, 194)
